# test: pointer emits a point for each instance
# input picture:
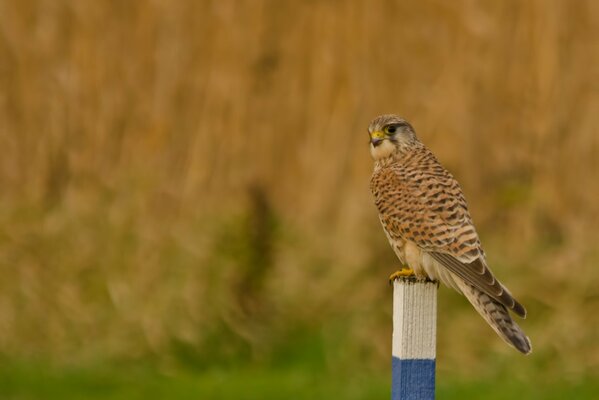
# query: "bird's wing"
(480, 276)
(428, 208)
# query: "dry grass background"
(190, 179)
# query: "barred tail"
(497, 316)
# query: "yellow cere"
(377, 135)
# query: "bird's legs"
(403, 272)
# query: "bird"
(425, 217)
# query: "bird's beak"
(376, 138)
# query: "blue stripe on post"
(412, 379)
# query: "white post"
(414, 339)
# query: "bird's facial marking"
(389, 133)
(382, 149)
(383, 141)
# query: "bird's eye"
(391, 129)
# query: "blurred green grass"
(25, 381)
(301, 368)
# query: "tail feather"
(497, 316)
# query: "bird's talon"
(404, 272)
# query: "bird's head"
(390, 134)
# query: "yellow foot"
(401, 273)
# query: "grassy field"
(35, 381)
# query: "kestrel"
(425, 217)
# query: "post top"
(414, 279)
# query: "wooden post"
(414, 339)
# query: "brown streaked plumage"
(426, 219)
